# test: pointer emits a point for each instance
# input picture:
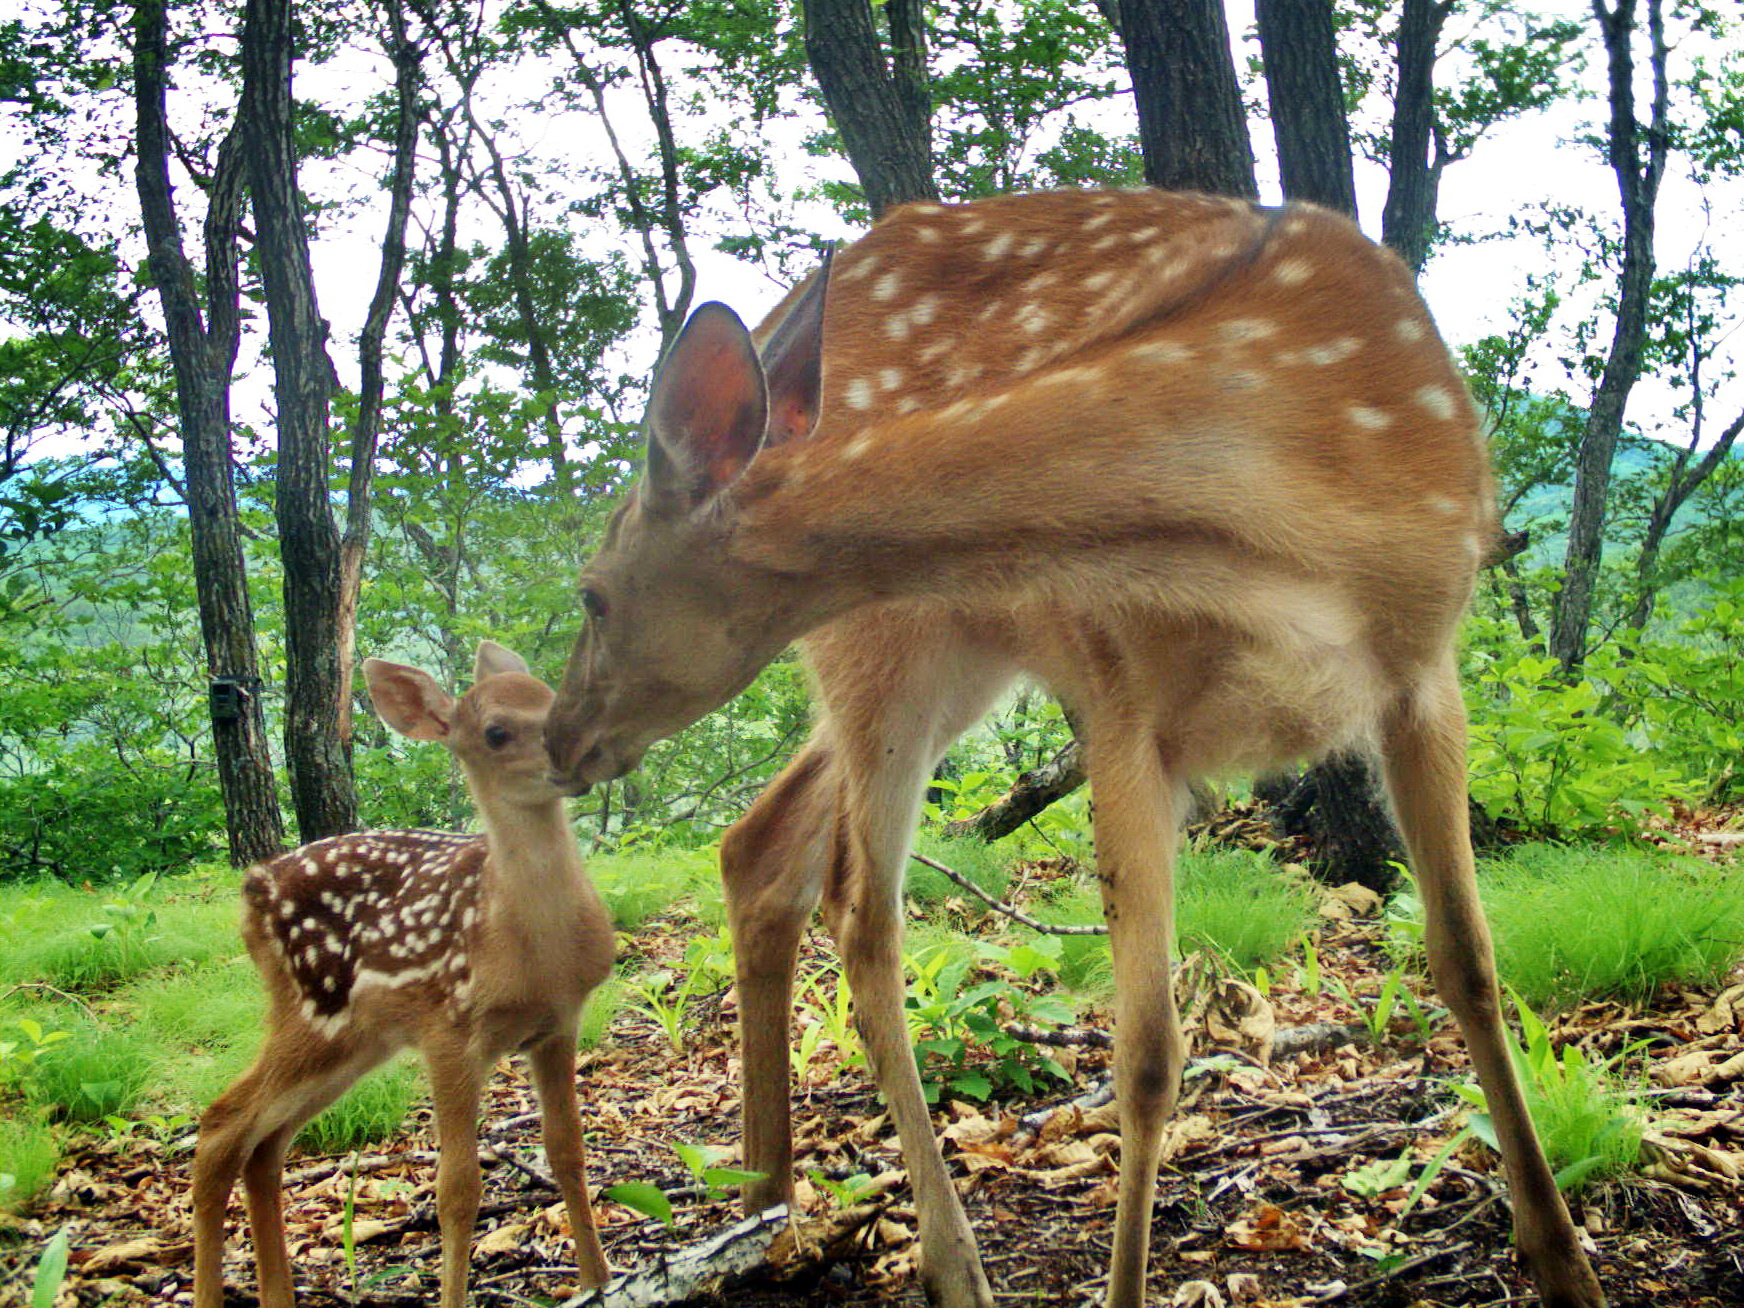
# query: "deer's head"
(674, 625)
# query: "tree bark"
(1408, 217)
(1191, 127)
(1307, 102)
(1032, 792)
(884, 115)
(1638, 187)
(203, 355)
(366, 430)
(320, 763)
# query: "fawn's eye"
(593, 603)
(497, 737)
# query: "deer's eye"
(593, 603)
(497, 737)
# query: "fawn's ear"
(707, 410)
(493, 659)
(793, 362)
(408, 700)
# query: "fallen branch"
(1314, 1037)
(1032, 792)
(1000, 906)
(728, 1256)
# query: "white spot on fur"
(1036, 245)
(1070, 377)
(857, 447)
(886, 287)
(1441, 504)
(1100, 220)
(907, 404)
(860, 269)
(924, 310)
(1436, 401)
(1409, 330)
(896, 327)
(998, 247)
(1164, 352)
(937, 350)
(1033, 318)
(928, 234)
(1142, 235)
(858, 394)
(1368, 419)
(1096, 281)
(1332, 352)
(889, 379)
(1292, 272)
(1246, 329)
(1105, 242)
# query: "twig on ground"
(1000, 906)
(675, 1278)
(53, 990)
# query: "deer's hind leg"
(553, 1061)
(1425, 763)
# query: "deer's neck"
(534, 853)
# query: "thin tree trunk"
(203, 355)
(366, 430)
(1638, 186)
(885, 118)
(1190, 121)
(320, 764)
(1307, 102)
(1684, 482)
(1408, 217)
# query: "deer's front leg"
(553, 1062)
(864, 911)
(773, 862)
(1424, 748)
(1137, 805)
(454, 1086)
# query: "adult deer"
(1204, 469)
(466, 946)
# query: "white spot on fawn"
(924, 310)
(1292, 272)
(1409, 330)
(857, 447)
(858, 394)
(1032, 318)
(887, 286)
(1246, 329)
(998, 247)
(1036, 245)
(896, 327)
(1332, 352)
(928, 234)
(1441, 504)
(1437, 401)
(1164, 352)
(1368, 419)
(889, 379)
(857, 271)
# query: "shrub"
(1574, 923)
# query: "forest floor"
(1283, 1183)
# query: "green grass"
(602, 1007)
(986, 865)
(99, 1070)
(28, 1154)
(1577, 923)
(1240, 906)
(637, 885)
(373, 1109)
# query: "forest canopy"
(326, 332)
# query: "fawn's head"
(674, 626)
(496, 729)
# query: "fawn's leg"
(455, 1083)
(553, 1063)
(1137, 806)
(246, 1132)
(1425, 765)
(773, 862)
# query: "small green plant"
(702, 1162)
(155, 1126)
(1395, 996)
(1377, 1177)
(51, 1270)
(1308, 970)
(667, 1001)
(19, 1057)
(97, 1072)
(1589, 1125)
(644, 1197)
(847, 1192)
(602, 1006)
(835, 1014)
(960, 1035)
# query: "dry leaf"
(1243, 1287)
(122, 1254)
(505, 1239)
(1197, 1294)
(1270, 1228)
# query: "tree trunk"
(320, 764)
(366, 430)
(1638, 187)
(1307, 102)
(884, 117)
(1190, 122)
(1408, 217)
(203, 355)
(1684, 482)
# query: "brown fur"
(1204, 469)
(468, 947)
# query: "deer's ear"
(408, 700)
(493, 659)
(793, 362)
(708, 408)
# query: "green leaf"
(51, 1270)
(973, 1084)
(647, 1199)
